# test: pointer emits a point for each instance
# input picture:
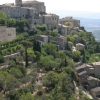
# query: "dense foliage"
(49, 72)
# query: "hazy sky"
(90, 8)
(79, 5)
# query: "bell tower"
(18, 3)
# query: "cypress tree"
(34, 46)
(65, 62)
(84, 57)
(26, 55)
(67, 46)
(97, 49)
(38, 47)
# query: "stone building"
(43, 39)
(18, 12)
(90, 70)
(75, 22)
(18, 3)
(35, 4)
(30, 10)
(51, 20)
(93, 82)
(81, 72)
(96, 66)
(96, 93)
(7, 34)
(63, 29)
(60, 40)
(27, 9)
(80, 46)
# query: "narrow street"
(38, 82)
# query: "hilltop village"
(43, 57)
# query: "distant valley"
(91, 25)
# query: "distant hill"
(81, 14)
(91, 25)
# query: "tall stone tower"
(18, 3)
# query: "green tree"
(2, 60)
(26, 43)
(1, 97)
(26, 60)
(84, 57)
(51, 79)
(68, 23)
(3, 22)
(76, 56)
(35, 46)
(65, 62)
(31, 33)
(31, 54)
(27, 96)
(67, 46)
(54, 32)
(47, 63)
(65, 85)
(11, 22)
(70, 71)
(7, 81)
(41, 27)
(22, 69)
(56, 94)
(16, 72)
(3, 19)
(38, 55)
(3, 15)
(50, 48)
(70, 38)
(21, 24)
(38, 47)
(97, 48)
